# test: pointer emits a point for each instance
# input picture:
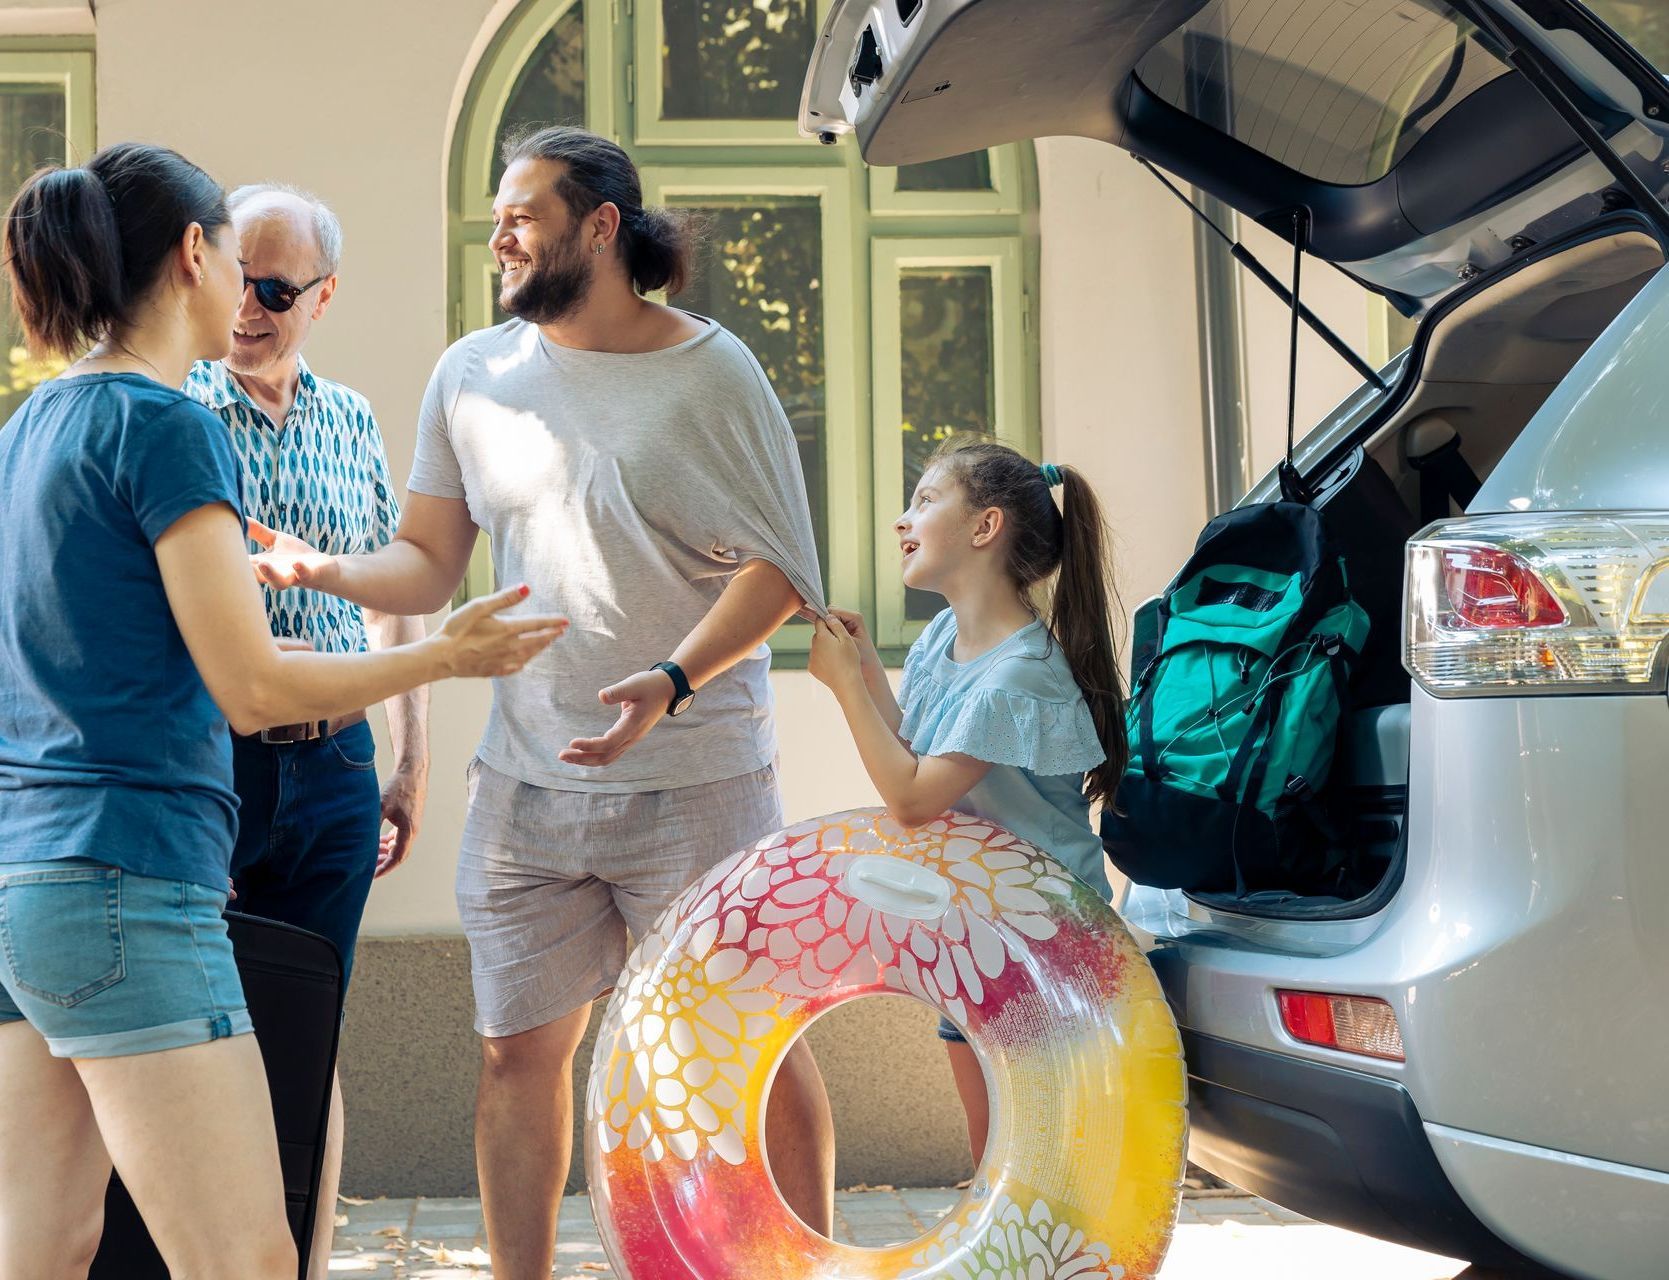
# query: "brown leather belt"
(309, 731)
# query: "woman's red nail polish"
(523, 590)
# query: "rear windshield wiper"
(1241, 254)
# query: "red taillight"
(1491, 589)
(1350, 1024)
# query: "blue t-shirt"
(110, 746)
(1017, 707)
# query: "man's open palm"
(643, 699)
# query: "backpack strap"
(1144, 725)
(1143, 694)
(1228, 789)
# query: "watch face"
(682, 704)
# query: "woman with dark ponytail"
(1007, 711)
(131, 632)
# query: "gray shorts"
(550, 882)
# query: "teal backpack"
(1234, 716)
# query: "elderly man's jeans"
(308, 821)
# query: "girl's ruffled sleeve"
(1010, 722)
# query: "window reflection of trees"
(1643, 23)
(33, 118)
(970, 171)
(760, 276)
(947, 366)
(551, 87)
(734, 59)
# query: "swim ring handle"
(898, 886)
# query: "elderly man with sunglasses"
(313, 462)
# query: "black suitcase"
(292, 981)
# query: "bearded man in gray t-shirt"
(632, 464)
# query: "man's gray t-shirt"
(625, 490)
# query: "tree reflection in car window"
(1643, 23)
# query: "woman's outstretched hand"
(287, 561)
(478, 641)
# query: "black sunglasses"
(276, 294)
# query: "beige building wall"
(357, 102)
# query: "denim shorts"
(949, 1032)
(104, 963)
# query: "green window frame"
(871, 232)
(890, 259)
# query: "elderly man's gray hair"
(326, 229)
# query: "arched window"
(888, 307)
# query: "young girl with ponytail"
(1003, 713)
(131, 632)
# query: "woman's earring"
(199, 276)
(598, 247)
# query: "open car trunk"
(1494, 168)
(1482, 363)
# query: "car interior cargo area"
(1480, 366)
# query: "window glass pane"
(551, 87)
(734, 59)
(760, 276)
(1338, 92)
(33, 119)
(946, 355)
(1643, 23)
(970, 171)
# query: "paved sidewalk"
(1219, 1234)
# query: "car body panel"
(1546, 1201)
(1508, 942)
(1601, 442)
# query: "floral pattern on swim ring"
(1019, 1243)
(1089, 1090)
(773, 921)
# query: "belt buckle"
(312, 730)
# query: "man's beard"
(553, 289)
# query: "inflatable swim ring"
(1082, 1059)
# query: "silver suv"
(1455, 1033)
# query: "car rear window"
(1337, 90)
(1643, 23)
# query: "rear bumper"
(1338, 1146)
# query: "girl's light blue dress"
(1017, 707)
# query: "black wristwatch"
(682, 694)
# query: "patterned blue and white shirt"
(321, 476)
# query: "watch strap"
(681, 691)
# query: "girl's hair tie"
(1051, 475)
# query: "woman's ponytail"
(64, 258)
(1080, 616)
(83, 246)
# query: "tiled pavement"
(1219, 1234)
